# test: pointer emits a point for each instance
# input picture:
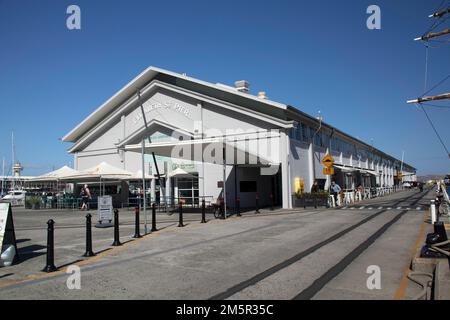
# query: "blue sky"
(315, 55)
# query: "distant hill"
(430, 177)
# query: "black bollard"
(154, 218)
(89, 252)
(180, 216)
(222, 208)
(137, 233)
(257, 204)
(271, 201)
(116, 242)
(50, 267)
(203, 211)
(238, 207)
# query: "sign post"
(105, 212)
(7, 233)
(328, 163)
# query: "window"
(247, 186)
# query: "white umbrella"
(56, 175)
(102, 171)
(180, 173)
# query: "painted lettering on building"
(168, 105)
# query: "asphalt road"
(281, 254)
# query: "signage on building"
(185, 166)
(7, 233)
(168, 105)
(328, 161)
(105, 209)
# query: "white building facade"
(163, 122)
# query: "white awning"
(180, 173)
(101, 171)
(192, 150)
(344, 168)
(56, 175)
(369, 172)
(138, 176)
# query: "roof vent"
(242, 86)
(262, 95)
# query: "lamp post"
(319, 118)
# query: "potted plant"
(35, 202)
(315, 199)
(28, 204)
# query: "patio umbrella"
(102, 171)
(56, 175)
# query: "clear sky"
(315, 55)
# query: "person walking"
(335, 190)
(85, 196)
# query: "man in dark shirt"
(315, 187)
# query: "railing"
(349, 196)
(171, 203)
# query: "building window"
(305, 133)
(247, 186)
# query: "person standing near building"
(335, 190)
(85, 196)
(315, 187)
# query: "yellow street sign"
(328, 161)
(328, 171)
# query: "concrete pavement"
(272, 255)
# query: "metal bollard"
(271, 202)
(154, 218)
(50, 267)
(203, 211)
(137, 233)
(434, 217)
(222, 208)
(256, 204)
(238, 207)
(89, 252)
(180, 216)
(116, 242)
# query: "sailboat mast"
(3, 176)
(13, 160)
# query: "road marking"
(399, 208)
(418, 208)
(361, 207)
(370, 208)
(389, 208)
(352, 208)
(408, 208)
(401, 290)
(379, 208)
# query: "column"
(285, 171)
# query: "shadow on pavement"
(29, 252)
